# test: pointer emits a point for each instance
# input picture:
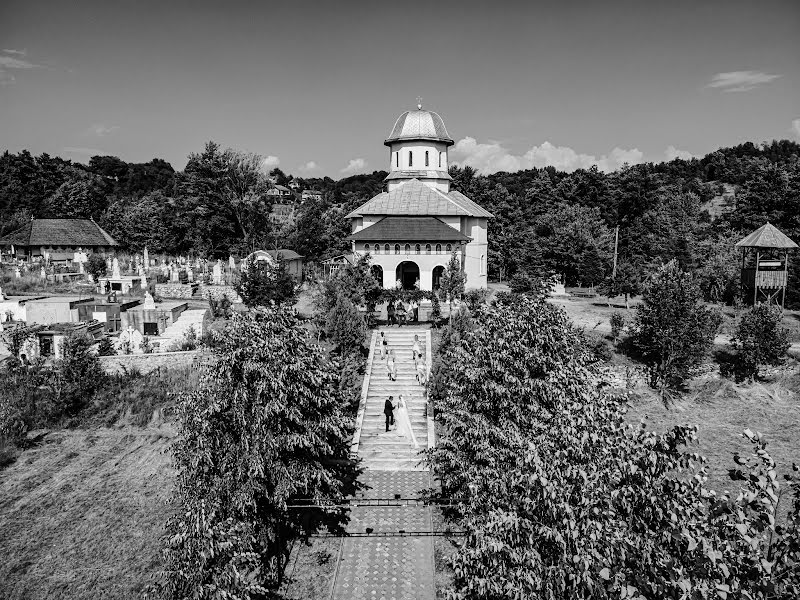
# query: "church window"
(386, 248)
(410, 159)
(427, 248)
(397, 159)
(408, 248)
(377, 249)
(397, 248)
(483, 264)
(440, 160)
(417, 248)
(438, 248)
(449, 248)
(426, 158)
(366, 247)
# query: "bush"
(474, 298)
(672, 331)
(759, 340)
(220, 308)
(263, 284)
(617, 325)
(345, 326)
(106, 347)
(96, 266)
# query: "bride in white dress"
(403, 422)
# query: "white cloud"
(796, 127)
(671, 153)
(84, 151)
(355, 165)
(309, 166)
(10, 62)
(101, 130)
(22, 52)
(492, 157)
(740, 81)
(270, 162)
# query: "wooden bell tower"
(765, 265)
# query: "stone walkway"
(400, 567)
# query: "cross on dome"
(419, 102)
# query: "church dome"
(419, 125)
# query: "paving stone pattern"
(390, 568)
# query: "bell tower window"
(410, 159)
(440, 160)
(397, 159)
(426, 158)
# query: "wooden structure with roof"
(57, 237)
(765, 265)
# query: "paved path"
(400, 567)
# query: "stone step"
(394, 464)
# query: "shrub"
(345, 326)
(96, 266)
(759, 340)
(474, 298)
(617, 325)
(672, 331)
(106, 347)
(263, 284)
(220, 308)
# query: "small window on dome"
(426, 158)
(386, 248)
(410, 159)
(427, 248)
(408, 248)
(417, 248)
(438, 248)
(397, 248)
(377, 249)
(449, 248)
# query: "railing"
(764, 279)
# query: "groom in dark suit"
(388, 410)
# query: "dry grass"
(82, 513)
(723, 409)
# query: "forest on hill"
(546, 221)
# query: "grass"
(82, 514)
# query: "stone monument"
(149, 302)
(115, 274)
(217, 274)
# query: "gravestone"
(146, 257)
(189, 274)
(231, 263)
(17, 272)
(42, 273)
(174, 274)
(217, 275)
(149, 302)
(115, 274)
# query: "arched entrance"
(437, 276)
(377, 273)
(407, 272)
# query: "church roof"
(414, 198)
(419, 125)
(416, 174)
(409, 229)
(59, 232)
(766, 236)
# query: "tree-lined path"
(397, 567)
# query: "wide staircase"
(386, 451)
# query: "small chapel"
(412, 229)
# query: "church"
(412, 229)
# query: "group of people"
(399, 312)
(396, 411)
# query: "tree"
(267, 427)
(559, 498)
(626, 283)
(77, 373)
(672, 330)
(759, 340)
(263, 283)
(345, 326)
(453, 280)
(96, 266)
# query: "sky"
(315, 87)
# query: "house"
(280, 192)
(311, 195)
(291, 259)
(413, 228)
(331, 265)
(57, 238)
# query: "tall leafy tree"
(267, 427)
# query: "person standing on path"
(415, 310)
(390, 313)
(388, 410)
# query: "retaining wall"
(176, 290)
(145, 363)
(217, 291)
